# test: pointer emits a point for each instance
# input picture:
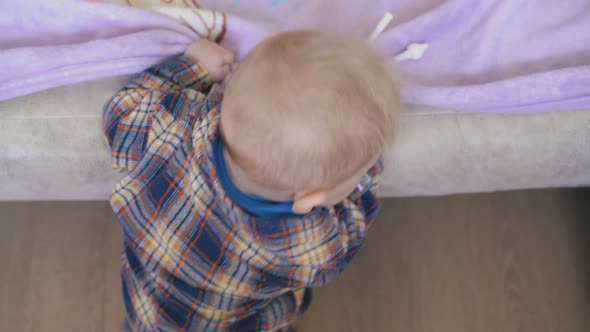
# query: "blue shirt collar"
(254, 205)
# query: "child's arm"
(159, 96)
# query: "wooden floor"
(507, 262)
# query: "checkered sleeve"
(132, 118)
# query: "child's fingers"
(228, 58)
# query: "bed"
(52, 148)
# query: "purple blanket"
(44, 44)
(484, 56)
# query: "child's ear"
(306, 201)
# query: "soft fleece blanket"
(484, 56)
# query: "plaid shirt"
(193, 260)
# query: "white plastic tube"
(383, 23)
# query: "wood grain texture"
(476, 263)
(510, 262)
(59, 268)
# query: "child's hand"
(216, 59)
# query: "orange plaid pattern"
(193, 260)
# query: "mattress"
(52, 148)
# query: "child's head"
(304, 117)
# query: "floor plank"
(517, 261)
(478, 263)
(60, 268)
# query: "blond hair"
(306, 110)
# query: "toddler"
(242, 196)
